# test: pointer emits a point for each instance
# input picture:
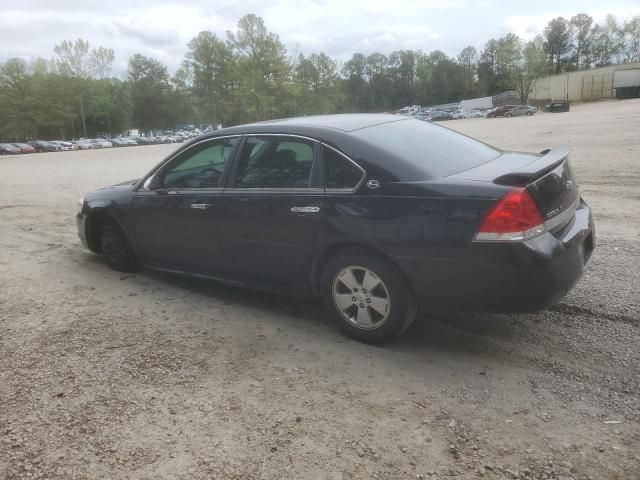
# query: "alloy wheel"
(361, 297)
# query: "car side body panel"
(425, 227)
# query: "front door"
(272, 209)
(176, 222)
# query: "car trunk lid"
(547, 176)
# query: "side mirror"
(152, 183)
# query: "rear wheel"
(507, 115)
(115, 249)
(529, 114)
(366, 296)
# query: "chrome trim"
(305, 209)
(564, 216)
(511, 236)
(200, 206)
(345, 190)
(281, 135)
(274, 190)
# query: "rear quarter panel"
(404, 219)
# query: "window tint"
(275, 162)
(338, 171)
(436, 150)
(201, 169)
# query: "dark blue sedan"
(376, 215)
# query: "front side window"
(202, 167)
(339, 172)
(275, 162)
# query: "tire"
(116, 250)
(529, 114)
(379, 313)
(508, 115)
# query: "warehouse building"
(586, 85)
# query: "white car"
(102, 143)
(64, 146)
(462, 113)
(85, 144)
(475, 114)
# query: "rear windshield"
(437, 151)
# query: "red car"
(24, 148)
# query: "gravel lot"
(151, 376)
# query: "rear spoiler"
(542, 165)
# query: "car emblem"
(373, 184)
(569, 184)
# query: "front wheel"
(367, 296)
(529, 113)
(508, 115)
(115, 249)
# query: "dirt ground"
(151, 376)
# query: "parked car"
(119, 142)
(102, 143)
(459, 114)
(24, 147)
(64, 146)
(342, 208)
(44, 146)
(424, 116)
(556, 107)
(521, 110)
(475, 114)
(9, 149)
(85, 144)
(440, 115)
(500, 111)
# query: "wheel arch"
(330, 250)
(96, 220)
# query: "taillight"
(516, 217)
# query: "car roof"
(348, 122)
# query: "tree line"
(249, 76)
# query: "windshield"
(438, 151)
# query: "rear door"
(176, 224)
(272, 208)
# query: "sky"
(161, 29)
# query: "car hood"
(125, 183)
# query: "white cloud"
(528, 27)
(162, 28)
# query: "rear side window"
(436, 150)
(339, 172)
(275, 162)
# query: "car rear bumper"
(503, 277)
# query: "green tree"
(262, 68)
(557, 36)
(630, 51)
(467, 58)
(488, 68)
(17, 105)
(581, 27)
(530, 65)
(78, 59)
(355, 84)
(150, 93)
(211, 66)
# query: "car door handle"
(305, 209)
(200, 206)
